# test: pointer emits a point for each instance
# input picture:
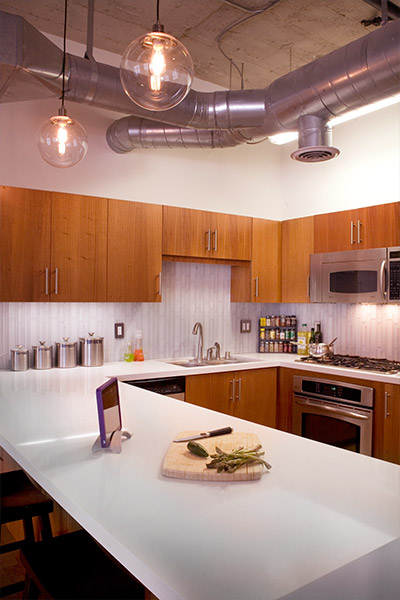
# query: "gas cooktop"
(378, 365)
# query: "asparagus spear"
(231, 461)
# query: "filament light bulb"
(156, 71)
(62, 141)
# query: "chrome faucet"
(217, 347)
(198, 328)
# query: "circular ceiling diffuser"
(315, 153)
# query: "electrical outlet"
(245, 326)
(118, 330)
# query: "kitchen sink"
(192, 362)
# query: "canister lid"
(19, 349)
(91, 338)
(65, 343)
(42, 346)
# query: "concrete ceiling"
(281, 39)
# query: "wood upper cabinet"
(53, 247)
(260, 281)
(25, 237)
(78, 248)
(369, 227)
(134, 252)
(297, 245)
(248, 394)
(201, 234)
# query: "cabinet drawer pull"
(239, 394)
(256, 287)
(47, 282)
(160, 283)
(352, 225)
(232, 396)
(387, 411)
(56, 284)
(215, 234)
(359, 225)
(208, 240)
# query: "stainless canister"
(42, 356)
(66, 354)
(91, 351)
(19, 359)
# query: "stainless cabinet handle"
(208, 240)
(352, 232)
(232, 396)
(47, 282)
(215, 234)
(239, 394)
(256, 290)
(387, 412)
(56, 285)
(160, 283)
(359, 225)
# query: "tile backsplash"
(195, 292)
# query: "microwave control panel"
(394, 275)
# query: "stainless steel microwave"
(371, 275)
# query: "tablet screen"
(108, 410)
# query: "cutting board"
(180, 463)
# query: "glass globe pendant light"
(62, 141)
(156, 70)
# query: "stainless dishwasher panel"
(174, 387)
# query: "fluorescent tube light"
(291, 136)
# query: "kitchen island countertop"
(318, 509)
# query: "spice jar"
(19, 359)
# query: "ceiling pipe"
(361, 72)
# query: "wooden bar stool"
(21, 501)
(74, 567)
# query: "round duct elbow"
(315, 140)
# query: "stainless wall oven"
(333, 412)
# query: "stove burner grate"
(379, 365)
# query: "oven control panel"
(334, 390)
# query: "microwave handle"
(382, 286)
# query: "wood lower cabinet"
(370, 227)
(387, 422)
(53, 247)
(260, 281)
(202, 234)
(297, 245)
(249, 395)
(134, 252)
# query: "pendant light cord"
(64, 56)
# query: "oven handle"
(337, 411)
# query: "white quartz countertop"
(318, 509)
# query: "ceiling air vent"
(313, 154)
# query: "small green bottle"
(128, 356)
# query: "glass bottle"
(128, 356)
(318, 333)
(312, 336)
(139, 345)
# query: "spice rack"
(276, 334)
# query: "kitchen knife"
(206, 434)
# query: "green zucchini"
(197, 449)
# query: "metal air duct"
(361, 72)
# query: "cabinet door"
(255, 396)
(134, 252)
(24, 245)
(391, 424)
(334, 232)
(78, 248)
(212, 391)
(297, 245)
(186, 232)
(379, 226)
(260, 281)
(230, 236)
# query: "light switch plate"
(245, 326)
(118, 330)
